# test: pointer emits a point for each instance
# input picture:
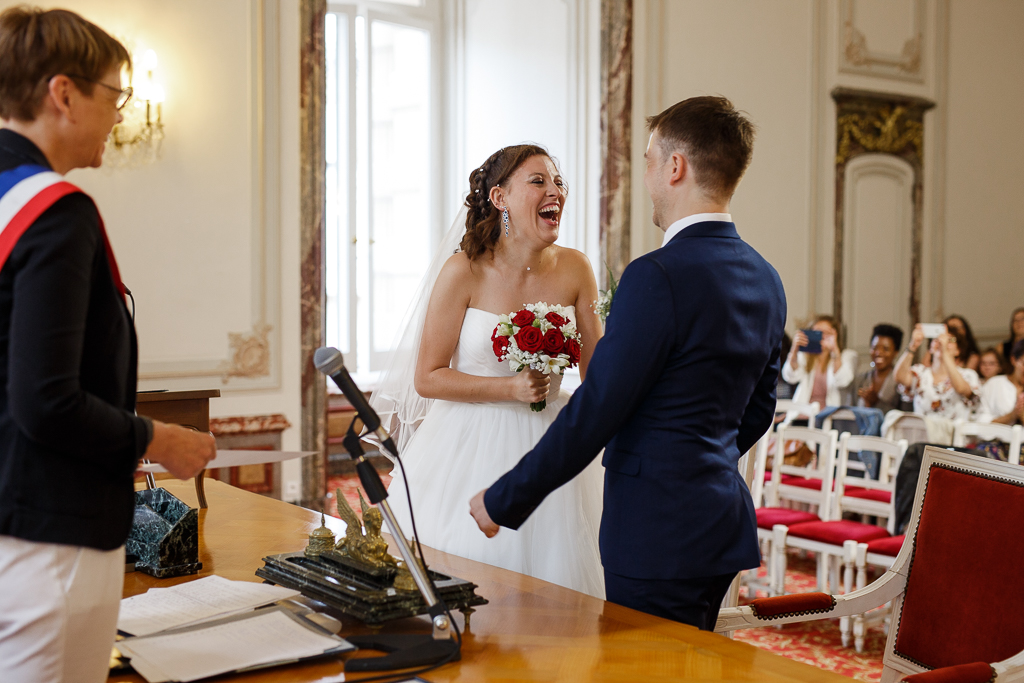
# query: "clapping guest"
(969, 354)
(876, 387)
(1016, 331)
(1002, 397)
(992, 364)
(819, 376)
(943, 388)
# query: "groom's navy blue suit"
(681, 385)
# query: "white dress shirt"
(678, 226)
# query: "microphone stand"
(405, 650)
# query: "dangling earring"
(504, 219)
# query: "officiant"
(69, 437)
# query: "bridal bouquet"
(540, 337)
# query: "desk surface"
(530, 631)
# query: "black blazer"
(680, 386)
(69, 436)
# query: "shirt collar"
(21, 147)
(682, 223)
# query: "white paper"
(191, 655)
(213, 596)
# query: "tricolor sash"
(26, 192)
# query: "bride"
(463, 418)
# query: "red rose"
(523, 318)
(529, 339)
(495, 335)
(500, 346)
(572, 347)
(555, 319)
(554, 342)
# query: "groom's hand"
(479, 512)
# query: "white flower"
(506, 329)
(543, 325)
(553, 365)
(540, 309)
(569, 329)
(504, 320)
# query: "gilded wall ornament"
(888, 130)
(250, 353)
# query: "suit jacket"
(69, 437)
(681, 385)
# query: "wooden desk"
(530, 631)
(185, 408)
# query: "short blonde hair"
(37, 44)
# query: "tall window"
(382, 188)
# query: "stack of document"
(209, 627)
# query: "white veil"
(395, 399)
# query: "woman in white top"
(942, 389)
(1002, 397)
(820, 377)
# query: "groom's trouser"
(690, 601)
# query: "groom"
(681, 385)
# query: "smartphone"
(813, 341)
(932, 330)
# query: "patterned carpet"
(817, 643)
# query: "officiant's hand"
(183, 452)
(479, 512)
(530, 386)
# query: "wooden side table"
(186, 408)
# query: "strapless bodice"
(475, 352)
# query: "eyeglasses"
(123, 94)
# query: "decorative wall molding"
(249, 366)
(856, 55)
(872, 123)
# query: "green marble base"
(340, 583)
(164, 535)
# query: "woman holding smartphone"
(942, 388)
(820, 376)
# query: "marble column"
(616, 132)
(313, 166)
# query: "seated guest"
(1016, 331)
(943, 388)
(1002, 397)
(819, 376)
(970, 355)
(992, 364)
(876, 387)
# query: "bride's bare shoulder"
(457, 271)
(574, 261)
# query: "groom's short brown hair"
(717, 140)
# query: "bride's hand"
(530, 386)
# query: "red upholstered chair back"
(963, 601)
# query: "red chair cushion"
(838, 531)
(796, 604)
(803, 483)
(977, 672)
(962, 604)
(769, 517)
(783, 478)
(869, 494)
(887, 546)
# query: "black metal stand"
(404, 650)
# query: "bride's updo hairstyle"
(483, 220)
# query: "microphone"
(329, 361)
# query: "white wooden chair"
(910, 427)
(857, 556)
(868, 496)
(953, 584)
(803, 484)
(827, 537)
(989, 431)
(793, 411)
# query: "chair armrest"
(798, 608)
(976, 672)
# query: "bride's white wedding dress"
(461, 448)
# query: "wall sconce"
(137, 139)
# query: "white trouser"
(58, 611)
